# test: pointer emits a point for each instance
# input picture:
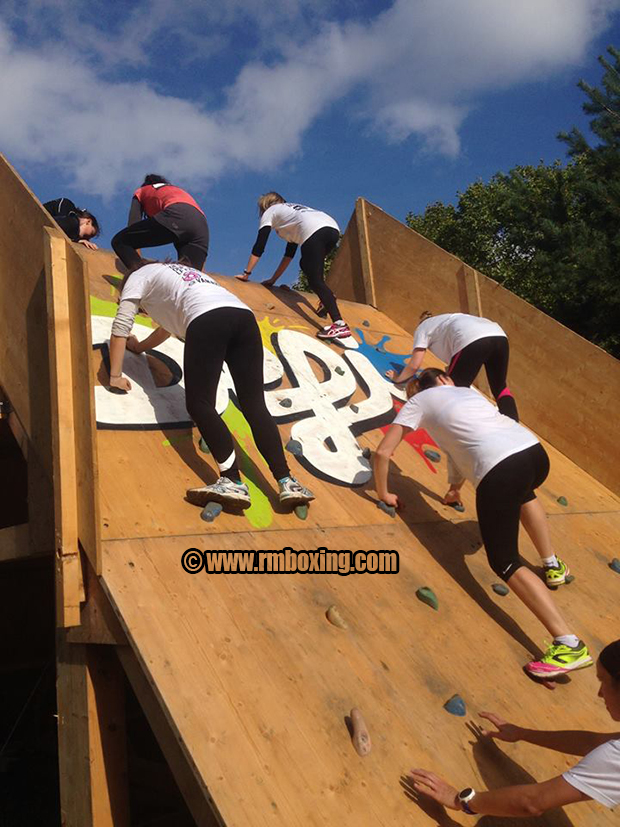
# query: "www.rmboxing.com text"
(288, 560)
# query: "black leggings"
(231, 335)
(499, 497)
(313, 253)
(492, 352)
(150, 233)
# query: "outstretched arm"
(155, 338)
(415, 360)
(284, 263)
(381, 462)
(257, 250)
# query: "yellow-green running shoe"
(560, 659)
(556, 575)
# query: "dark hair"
(87, 214)
(610, 659)
(424, 380)
(154, 179)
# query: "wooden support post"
(91, 736)
(366, 260)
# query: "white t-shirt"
(294, 222)
(174, 295)
(598, 774)
(449, 333)
(471, 430)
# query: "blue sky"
(404, 101)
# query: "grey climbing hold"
(211, 511)
(366, 452)
(389, 509)
(432, 455)
(301, 511)
(271, 307)
(428, 596)
(569, 578)
(381, 350)
(294, 447)
(286, 403)
(562, 500)
(366, 323)
(615, 565)
(354, 408)
(456, 706)
(457, 506)
(335, 618)
(339, 370)
(499, 588)
(203, 446)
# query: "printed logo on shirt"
(192, 276)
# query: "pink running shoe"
(560, 659)
(337, 330)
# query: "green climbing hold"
(211, 511)
(500, 589)
(389, 509)
(432, 455)
(615, 565)
(339, 370)
(301, 511)
(427, 596)
(203, 446)
(562, 500)
(286, 403)
(456, 706)
(569, 578)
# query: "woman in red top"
(163, 214)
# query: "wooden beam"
(91, 736)
(365, 256)
(99, 623)
(14, 542)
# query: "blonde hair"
(424, 315)
(268, 200)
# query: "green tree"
(550, 233)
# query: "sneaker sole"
(296, 499)
(335, 336)
(201, 498)
(554, 672)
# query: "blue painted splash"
(377, 354)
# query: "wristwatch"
(464, 797)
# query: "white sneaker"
(293, 492)
(223, 491)
(337, 330)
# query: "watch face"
(464, 794)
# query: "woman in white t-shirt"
(596, 776)
(317, 233)
(506, 463)
(217, 327)
(465, 343)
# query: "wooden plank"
(15, 542)
(181, 765)
(370, 296)
(98, 622)
(91, 736)
(65, 483)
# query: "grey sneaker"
(293, 492)
(223, 491)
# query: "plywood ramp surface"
(253, 680)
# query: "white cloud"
(414, 68)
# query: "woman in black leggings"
(161, 213)
(465, 343)
(506, 463)
(317, 233)
(217, 327)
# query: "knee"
(504, 569)
(118, 239)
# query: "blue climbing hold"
(432, 455)
(293, 446)
(389, 509)
(301, 511)
(457, 506)
(615, 565)
(286, 403)
(500, 589)
(211, 511)
(456, 706)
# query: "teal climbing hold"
(457, 506)
(389, 509)
(562, 500)
(286, 403)
(301, 511)
(294, 447)
(615, 565)
(456, 706)
(432, 455)
(203, 446)
(211, 511)
(428, 596)
(500, 589)
(339, 370)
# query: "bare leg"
(534, 521)
(532, 591)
